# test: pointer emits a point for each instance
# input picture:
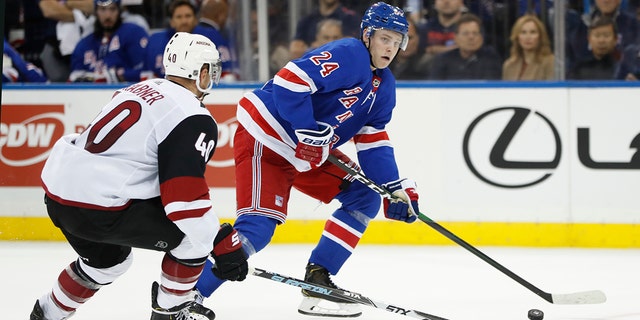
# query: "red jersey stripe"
(251, 109)
(368, 138)
(186, 214)
(287, 75)
(184, 189)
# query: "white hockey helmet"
(185, 54)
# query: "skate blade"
(320, 307)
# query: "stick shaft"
(577, 298)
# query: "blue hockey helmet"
(104, 3)
(385, 16)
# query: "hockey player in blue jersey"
(114, 52)
(286, 131)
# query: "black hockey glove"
(231, 260)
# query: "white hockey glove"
(405, 206)
(314, 146)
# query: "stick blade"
(584, 297)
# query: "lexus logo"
(497, 160)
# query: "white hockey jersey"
(152, 139)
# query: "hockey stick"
(347, 296)
(583, 297)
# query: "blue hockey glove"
(405, 206)
(314, 146)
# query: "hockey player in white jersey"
(135, 178)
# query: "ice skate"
(37, 313)
(187, 311)
(316, 304)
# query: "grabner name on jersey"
(145, 92)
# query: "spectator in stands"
(182, 18)
(306, 28)
(213, 18)
(214, 14)
(411, 63)
(278, 39)
(15, 69)
(497, 18)
(439, 31)
(133, 12)
(633, 7)
(626, 24)
(39, 31)
(12, 19)
(471, 60)
(531, 57)
(601, 65)
(73, 23)
(114, 52)
(629, 67)
(327, 30)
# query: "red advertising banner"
(28, 131)
(221, 169)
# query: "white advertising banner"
(605, 134)
(505, 146)
(512, 154)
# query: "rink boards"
(552, 164)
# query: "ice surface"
(446, 281)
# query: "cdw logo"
(27, 133)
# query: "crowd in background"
(122, 40)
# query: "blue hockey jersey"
(125, 49)
(333, 84)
